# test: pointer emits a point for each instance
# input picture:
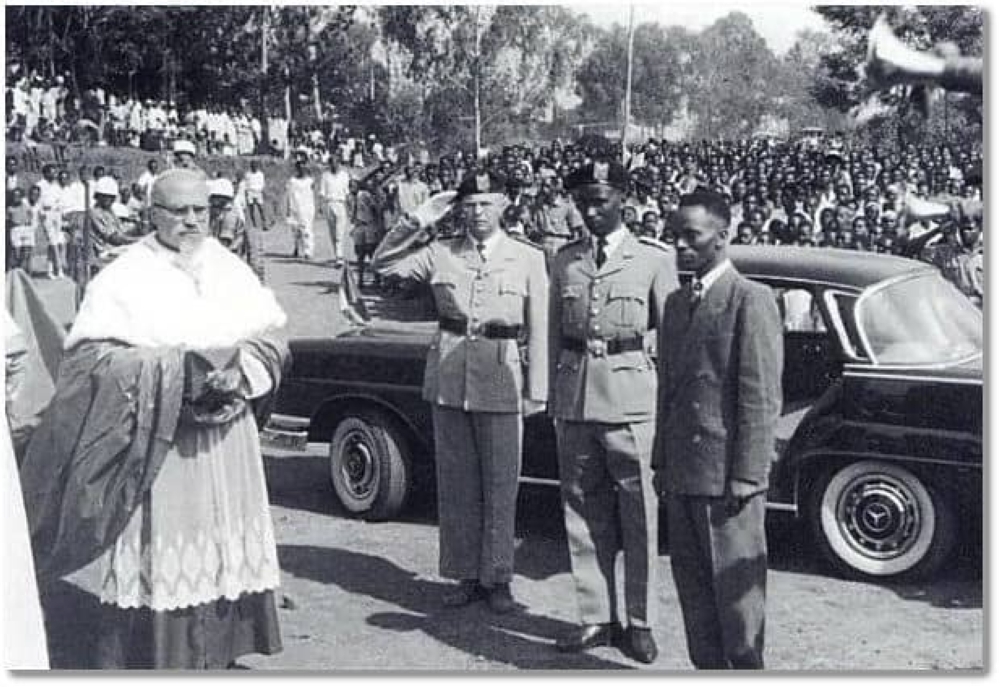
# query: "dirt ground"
(359, 596)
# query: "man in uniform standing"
(607, 292)
(556, 220)
(720, 361)
(486, 367)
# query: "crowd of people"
(831, 194)
(902, 201)
(45, 220)
(47, 110)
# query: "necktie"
(481, 247)
(602, 251)
(697, 288)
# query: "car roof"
(836, 266)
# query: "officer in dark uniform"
(607, 293)
(487, 366)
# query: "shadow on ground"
(540, 530)
(521, 639)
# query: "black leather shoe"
(587, 637)
(500, 599)
(638, 644)
(467, 592)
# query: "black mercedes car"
(880, 440)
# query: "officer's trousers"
(719, 564)
(478, 465)
(609, 505)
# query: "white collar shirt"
(490, 244)
(614, 240)
(713, 275)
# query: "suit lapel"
(706, 317)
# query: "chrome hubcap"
(358, 467)
(879, 516)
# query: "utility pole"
(475, 95)
(313, 52)
(265, 29)
(628, 82)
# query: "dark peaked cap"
(480, 182)
(602, 172)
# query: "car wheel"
(369, 465)
(878, 520)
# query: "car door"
(812, 360)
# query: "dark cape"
(102, 442)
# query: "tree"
(661, 59)
(794, 84)
(496, 66)
(732, 71)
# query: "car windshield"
(920, 321)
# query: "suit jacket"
(621, 300)
(719, 387)
(510, 288)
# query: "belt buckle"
(475, 329)
(597, 347)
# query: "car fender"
(324, 419)
(829, 438)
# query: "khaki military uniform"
(489, 353)
(603, 398)
(555, 224)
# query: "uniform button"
(594, 311)
(696, 439)
(597, 327)
(696, 405)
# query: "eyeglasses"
(182, 213)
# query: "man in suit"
(487, 365)
(608, 290)
(720, 361)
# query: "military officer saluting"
(487, 365)
(607, 291)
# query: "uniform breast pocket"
(627, 305)
(572, 304)
(511, 296)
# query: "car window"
(799, 311)
(922, 320)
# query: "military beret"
(480, 181)
(606, 172)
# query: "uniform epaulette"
(522, 239)
(650, 241)
(571, 244)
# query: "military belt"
(488, 330)
(601, 347)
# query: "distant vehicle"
(810, 137)
(880, 440)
